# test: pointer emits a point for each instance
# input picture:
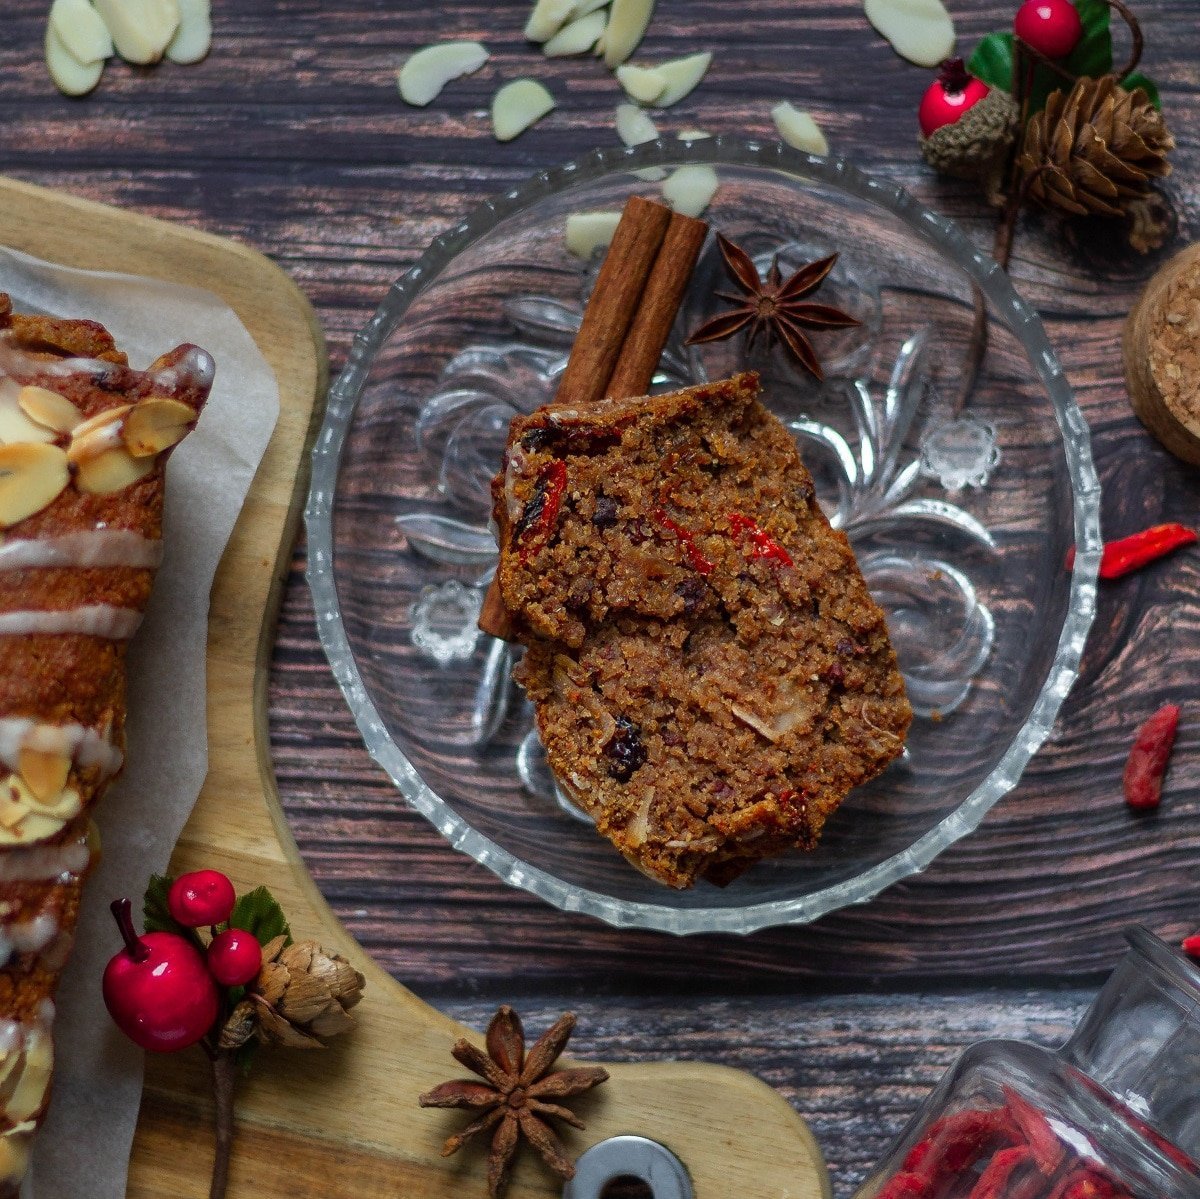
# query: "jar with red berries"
(1114, 1114)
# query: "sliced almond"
(689, 190)
(97, 435)
(429, 70)
(919, 30)
(29, 1097)
(798, 129)
(577, 38)
(581, 8)
(14, 802)
(681, 76)
(111, 471)
(81, 30)
(634, 126)
(70, 76)
(692, 135)
(141, 29)
(518, 105)
(15, 426)
(45, 774)
(32, 476)
(588, 232)
(627, 22)
(193, 38)
(644, 84)
(64, 806)
(155, 424)
(49, 409)
(547, 18)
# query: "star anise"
(774, 307)
(517, 1094)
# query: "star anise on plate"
(773, 306)
(517, 1095)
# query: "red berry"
(234, 957)
(1051, 27)
(949, 96)
(1191, 945)
(202, 897)
(157, 989)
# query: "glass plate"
(961, 502)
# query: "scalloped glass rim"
(1026, 327)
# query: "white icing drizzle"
(27, 936)
(11, 1034)
(97, 547)
(88, 620)
(45, 863)
(87, 747)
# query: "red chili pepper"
(1139, 549)
(541, 513)
(1047, 1150)
(1147, 761)
(696, 560)
(993, 1182)
(1191, 945)
(765, 546)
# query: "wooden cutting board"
(344, 1122)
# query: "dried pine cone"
(302, 996)
(1095, 149)
(976, 146)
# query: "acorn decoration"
(968, 128)
(1095, 149)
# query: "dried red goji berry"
(1139, 549)
(1147, 761)
(993, 1182)
(1086, 1183)
(764, 545)
(1044, 1145)
(904, 1186)
(962, 1138)
(696, 560)
(541, 513)
(1191, 945)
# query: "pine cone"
(976, 146)
(1095, 149)
(303, 996)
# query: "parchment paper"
(83, 1149)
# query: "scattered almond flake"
(583, 7)
(48, 408)
(641, 83)
(692, 135)
(682, 75)
(81, 30)
(141, 29)
(155, 424)
(14, 424)
(919, 30)
(689, 190)
(518, 105)
(114, 470)
(634, 126)
(429, 70)
(71, 77)
(31, 476)
(588, 232)
(577, 38)
(547, 18)
(193, 38)
(798, 129)
(627, 21)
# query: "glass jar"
(1114, 1114)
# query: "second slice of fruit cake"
(710, 674)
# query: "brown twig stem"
(1135, 32)
(1043, 61)
(224, 1078)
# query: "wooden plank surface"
(291, 138)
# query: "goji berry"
(993, 1182)
(1147, 761)
(695, 559)
(904, 1186)
(1044, 1145)
(962, 1138)
(541, 513)
(1139, 549)
(1191, 945)
(764, 545)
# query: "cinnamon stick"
(643, 346)
(614, 301)
(625, 326)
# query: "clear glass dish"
(962, 513)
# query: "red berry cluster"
(161, 990)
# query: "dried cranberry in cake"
(724, 678)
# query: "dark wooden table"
(291, 137)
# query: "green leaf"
(245, 1055)
(992, 61)
(257, 912)
(156, 914)
(1136, 80)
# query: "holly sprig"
(257, 912)
(995, 58)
